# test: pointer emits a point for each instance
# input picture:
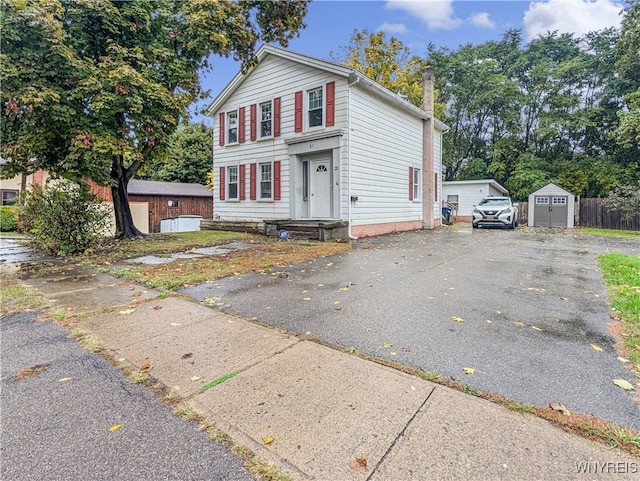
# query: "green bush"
(8, 218)
(63, 218)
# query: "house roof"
(151, 187)
(490, 182)
(333, 68)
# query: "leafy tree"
(624, 199)
(530, 174)
(94, 88)
(388, 63)
(188, 156)
(628, 66)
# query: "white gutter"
(350, 130)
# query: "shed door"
(541, 211)
(559, 211)
(320, 189)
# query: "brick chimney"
(428, 160)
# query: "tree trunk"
(125, 228)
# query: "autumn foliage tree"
(94, 88)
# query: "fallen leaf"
(393, 353)
(563, 298)
(156, 308)
(115, 427)
(306, 298)
(560, 407)
(65, 379)
(519, 324)
(623, 359)
(145, 367)
(127, 311)
(468, 370)
(136, 294)
(536, 328)
(175, 324)
(406, 349)
(624, 384)
(615, 318)
(267, 440)
(344, 288)
(187, 355)
(457, 319)
(387, 345)
(359, 464)
(596, 347)
(195, 378)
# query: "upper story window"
(266, 181)
(315, 107)
(266, 119)
(232, 182)
(232, 127)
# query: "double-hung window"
(9, 197)
(232, 182)
(315, 107)
(266, 181)
(266, 119)
(232, 127)
(417, 184)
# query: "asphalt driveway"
(521, 308)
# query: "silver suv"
(495, 211)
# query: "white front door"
(320, 189)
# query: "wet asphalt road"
(60, 430)
(520, 307)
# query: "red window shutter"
(298, 111)
(241, 129)
(435, 188)
(276, 180)
(331, 104)
(221, 129)
(222, 183)
(243, 181)
(253, 121)
(410, 183)
(276, 117)
(252, 181)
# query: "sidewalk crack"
(400, 435)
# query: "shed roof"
(182, 189)
(551, 189)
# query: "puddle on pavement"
(193, 254)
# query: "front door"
(320, 189)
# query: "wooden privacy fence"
(590, 213)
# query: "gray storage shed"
(551, 206)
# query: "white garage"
(551, 206)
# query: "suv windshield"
(498, 201)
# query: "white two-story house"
(299, 138)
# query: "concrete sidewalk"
(325, 414)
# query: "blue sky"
(416, 23)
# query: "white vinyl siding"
(266, 82)
(385, 143)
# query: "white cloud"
(393, 28)
(482, 20)
(570, 16)
(436, 14)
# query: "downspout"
(349, 130)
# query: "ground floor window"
(266, 181)
(9, 197)
(232, 182)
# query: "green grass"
(220, 380)
(625, 234)
(621, 273)
(18, 297)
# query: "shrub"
(63, 218)
(624, 199)
(8, 218)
